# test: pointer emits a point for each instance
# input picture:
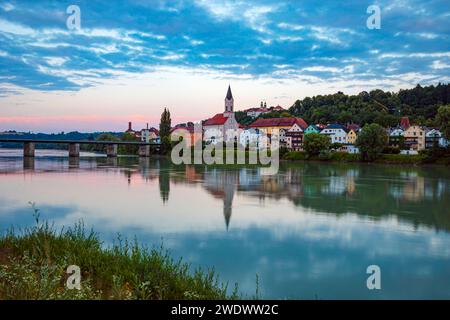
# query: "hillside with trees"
(420, 104)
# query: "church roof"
(279, 122)
(218, 119)
(229, 94)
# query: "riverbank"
(33, 265)
(420, 159)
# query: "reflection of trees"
(164, 183)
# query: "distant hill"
(75, 135)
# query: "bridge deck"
(137, 143)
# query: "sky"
(130, 59)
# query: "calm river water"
(309, 232)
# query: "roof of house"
(279, 122)
(353, 126)
(218, 119)
(314, 127)
(335, 126)
(404, 122)
(188, 128)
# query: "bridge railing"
(74, 145)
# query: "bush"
(391, 150)
(371, 141)
(314, 143)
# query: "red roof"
(218, 119)
(404, 123)
(353, 126)
(279, 122)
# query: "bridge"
(74, 146)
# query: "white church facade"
(218, 128)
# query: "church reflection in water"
(374, 191)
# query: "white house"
(434, 135)
(336, 132)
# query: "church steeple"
(229, 101)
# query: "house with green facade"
(312, 129)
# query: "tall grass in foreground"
(33, 265)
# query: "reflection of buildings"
(222, 184)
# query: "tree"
(314, 143)
(443, 120)
(128, 149)
(371, 141)
(164, 131)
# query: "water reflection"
(311, 229)
(420, 196)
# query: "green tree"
(164, 131)
(125, 149)
(443, 120)
(371, 141)
(102, 147)
(314, 143)
(166, 124)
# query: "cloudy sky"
(132, 58)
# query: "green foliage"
(295, 155)
(371, 141)
(164, 131)
(33, 265)
(391, 150)
(243, 118)
(101, 147)
(443, 120)
(335, 146)
(128, 150)
(314, 143)
(385, 108)
(166, 124)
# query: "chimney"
(147, 125)
(129, 126)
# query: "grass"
(33, 265)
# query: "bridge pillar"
(74, 150)
(111, 150)
(28, 149)
(144, 151)
(28, 163)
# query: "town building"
(351, 137)
(216, 128)
(149, 134)
(396, 136)
(267, 127)
(336, 132)
(312, 129)
(433, 138)
(415, 138)
(294, 138)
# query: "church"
(216, 128)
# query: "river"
(309, 232)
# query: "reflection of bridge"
(74, 146)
